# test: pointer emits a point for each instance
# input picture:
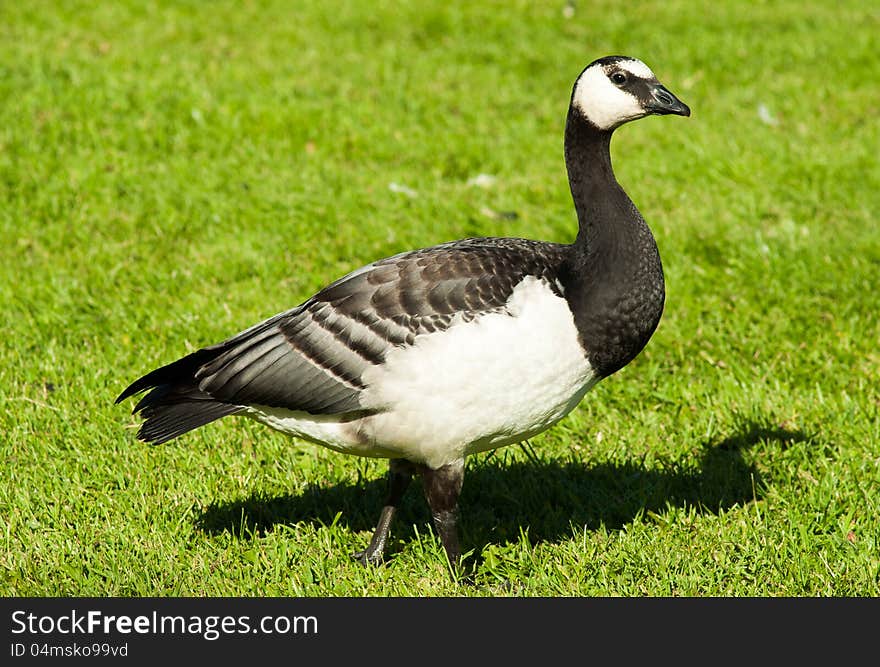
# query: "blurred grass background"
(172, 172)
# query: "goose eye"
(619, 78)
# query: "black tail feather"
(182, 370)
(165, 422)
(175, 405)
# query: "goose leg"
(399, 476)
(442, 488)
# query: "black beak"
(664, 102)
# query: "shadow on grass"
(502, 499)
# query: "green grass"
(172, 172)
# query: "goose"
(432, 355)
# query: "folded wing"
(312, 358)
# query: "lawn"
(173, 172)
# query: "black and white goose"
(431, 355)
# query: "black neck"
(598, 198)
(615, 280)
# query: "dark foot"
(367, 557)
(399, 476)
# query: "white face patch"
(604, 104)
(636, 67)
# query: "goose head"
(614, 90)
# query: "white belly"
(479, 385)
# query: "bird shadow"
(505, 498)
